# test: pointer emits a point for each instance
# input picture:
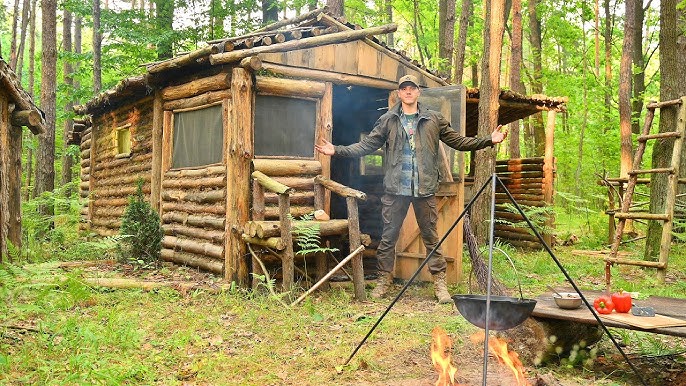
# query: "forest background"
(608, 57)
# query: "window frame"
(116, 139)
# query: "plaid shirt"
(409, 177)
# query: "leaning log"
(340, 189)
(334, 38)
(270, 184)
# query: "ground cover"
(56, 328)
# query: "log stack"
(524, 179)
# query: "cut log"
(187, 245)
(199, 100)
(195, 183)
(284, 86)
(180, 61)
(194, 220)
(271, 242)
(191, 260)
(193, 208)
(215, 236)
(264, 229)
(287, 168)
(217, 82)
(251, 63)
(340, 189)
(204, 197)
(28, 118)
(270, 184)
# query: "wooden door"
(410, 250)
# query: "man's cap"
(408, 79)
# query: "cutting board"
(645, 322)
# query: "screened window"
(372, 164)
(198, 137)
(284, 126)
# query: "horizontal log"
(264, 229)
(669, 170)
(103, 231)
(110, 202)
(104, 223)
(270, 184)
(192, 246)
(524, 244)
(515, 187)
(120, 181)
(340, 189)
(272, 212)
(519, 161)
(216, 170)
(515, 236)
(28, 118)
(297, 183)
(180, 61)
(108, 211)
(514, 180)
(334, 38)
(295, 198)
(205, 221)
(217, 82)
(199, 100)
(121, 170)
(114, 163)
(519, 197)
(328, 76)
(207, 182)
(215, 236)
(640, 263)
(508, 228)
(291, 87)
(523, 202)
(121, 191)
(657, 105)
(518, 167)
(190, 260)
(507, 175)
(84, 185)
(644, 216)
(287, 168)
(669, 134)
(271, 242)
(251, 63)
(204, 197)
(193, 208)
(83, 211)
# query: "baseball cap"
(408, 79)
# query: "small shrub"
(142, 232)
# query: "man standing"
(410, 135)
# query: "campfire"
(442, 347)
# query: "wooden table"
(671, 307)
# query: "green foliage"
(307, 237)
(142, 232)
(536, 215)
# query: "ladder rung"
(670, 134)
(640, 263)
(643, 216)
(645, 171)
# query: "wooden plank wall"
(524, 179)
(112, 179)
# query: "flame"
(498, 347)
(441, 347)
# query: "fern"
(308, 237)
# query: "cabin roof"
(17, 95)
(277, 37)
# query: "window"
(123, 139)
(198, 137)
(285, 126)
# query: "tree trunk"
(336, 7)
(584, 122)
(388, 5)
(489, 93)
(270, 11)
(607, 36)
(13, 42)
(45, 157)
(465, 16)
(536, 130)
(416, 29)
(22, 38)
(681, 69)
(446, 37)
(516, 83)
(596, 36)
(165, 21)
(662, 150)
(639, 76)
(32, 66)
(67, 73)
(97, 48)
(625, 75)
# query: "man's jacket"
(388, 133)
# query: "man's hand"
(326, 147)
(499, 134)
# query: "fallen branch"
(23, 328)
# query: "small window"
(198, 137)
(285, 126)
(122, 139)
(372, 164)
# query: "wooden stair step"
(669, 170)
(639, 263)
(669, 134)
(642, 216)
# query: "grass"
(81, 334)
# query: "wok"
(505, 312)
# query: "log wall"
(108, 178)
(84, 187)
(524, 178)
(194, 217)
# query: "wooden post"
(287, 257)
(549, 171)
(156, 172)
(257, 215)
(14, 186)
(4, 180)
(239, 152)
(355, 242)
(324, 131)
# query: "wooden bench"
(671, 307)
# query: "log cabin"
(224, 136)
(17, 110)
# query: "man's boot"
(383, 282)
(441, 288)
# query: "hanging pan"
(505, 312)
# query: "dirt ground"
(468, 359)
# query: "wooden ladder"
(673, 180)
